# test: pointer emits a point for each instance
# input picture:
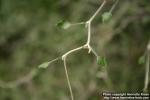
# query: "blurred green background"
(29, 37)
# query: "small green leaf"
(101, 61)
(44, 65)
(142, 60)
(106, 16)
(63, 24)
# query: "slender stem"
(146, 73)
(114, 5)
(71, 51)
(98, 10)
(81, 23)
(68, 81)
(89, 32)
(147, 68)
(87, 45)
(88, 23)
(94, 52)
(54, 60)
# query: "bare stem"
(68, 81)
(89, 32)
(94, 52)
(114, 5)
(98, 10)
(54, 60)
(81, 23)
(147, 68)
(71, 51)
(88, 23)
(85, 46)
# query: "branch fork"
(88, 25)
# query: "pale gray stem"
(147, 68)
(71, 51)
(68, 81)
(89, 32)
(98, 10)
(114, 5)
(81, 23)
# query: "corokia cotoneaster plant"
(65, 24)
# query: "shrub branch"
(147, 67)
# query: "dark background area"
(29, 37)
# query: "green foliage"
(44, 65)
(101, 61)
(63, 24)
(26, 38)
(142, 59)
(106, 16)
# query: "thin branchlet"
(147, 67)
(88, 24)
(64, 56)
(114, 5)
(85, 46)
(68, 81)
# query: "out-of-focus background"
(29, 37)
